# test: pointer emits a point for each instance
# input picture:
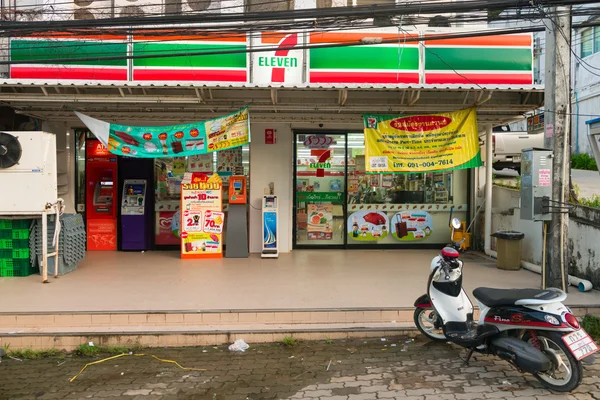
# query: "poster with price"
(421, 143)
(202, 218)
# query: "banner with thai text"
(179, 140)
(421, 143)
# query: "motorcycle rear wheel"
(426, 320)
(571, 370)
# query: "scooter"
(529, 328)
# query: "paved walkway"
(374, 369)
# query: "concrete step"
(67, 330)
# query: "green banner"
(179, 140)
(320, 196)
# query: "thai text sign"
(422, 143)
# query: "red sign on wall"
(270, 136)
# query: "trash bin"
(508, 247)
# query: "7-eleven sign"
(283, 65)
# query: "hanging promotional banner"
(179, 140)
(421, 143)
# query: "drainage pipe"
(581, 284)
(489, 160)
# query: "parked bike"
(530, 328)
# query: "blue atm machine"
(133, 219)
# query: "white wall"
(65, 162)
(271, 163)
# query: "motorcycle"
(529, 328)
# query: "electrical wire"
(133, 355)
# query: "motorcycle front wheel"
(567, 371)
(428, 323)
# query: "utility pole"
(557, 105)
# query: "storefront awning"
(169, 102)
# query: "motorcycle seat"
(518, 297)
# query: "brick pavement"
(358, 370)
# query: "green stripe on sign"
(482, 59)
(365, 57)
(34, 51)
(235, 60)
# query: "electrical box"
(536, 184)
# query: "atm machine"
(236, 240)
(270, 248)
(101, 195)
(133, 220)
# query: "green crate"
(15, 223)
(14, 253)
(14, 243)
(13, 272)
(6, 234)
(15, 263)
(21, 234)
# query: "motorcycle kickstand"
(469, 355)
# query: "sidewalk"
(374, 369)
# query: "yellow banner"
(422, 143)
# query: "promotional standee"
(270, 247)
(101, 197)
(237, 219)
(133, 221)
(202, 219)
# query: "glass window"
(587, 44)
(320, 185)
(596, 40)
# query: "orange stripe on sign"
(344, 37)
(166, 36)
(498, 40)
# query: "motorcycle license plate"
(580, 344)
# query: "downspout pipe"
(489, 160)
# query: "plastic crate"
(15, 263)
(14, 253)
(14, 272)
(15, 223)
(20, 234)
(14, 243)
(5, 234)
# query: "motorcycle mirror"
(455, 223)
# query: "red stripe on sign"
(323, 158)
(212, 75)
(482, 79)
(107, 74)
(363, 77)
(278, 74)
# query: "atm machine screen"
(103, 196)
(134, 197)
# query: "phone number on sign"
(424, 164)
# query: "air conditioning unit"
(92, 9)
(138, 8)
(28, 175)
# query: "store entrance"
(320, 186)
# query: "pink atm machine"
(134, 222)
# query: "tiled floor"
(160, 281)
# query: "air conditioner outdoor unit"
(138, 8)
(92, 9)
(28, 178)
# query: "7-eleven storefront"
(306, 108)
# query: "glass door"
(319, 195)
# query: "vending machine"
(101, 195)
(270, 248)
(133, 218)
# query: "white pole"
(44, 247)
(489, 158)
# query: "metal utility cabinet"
(536, 184)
